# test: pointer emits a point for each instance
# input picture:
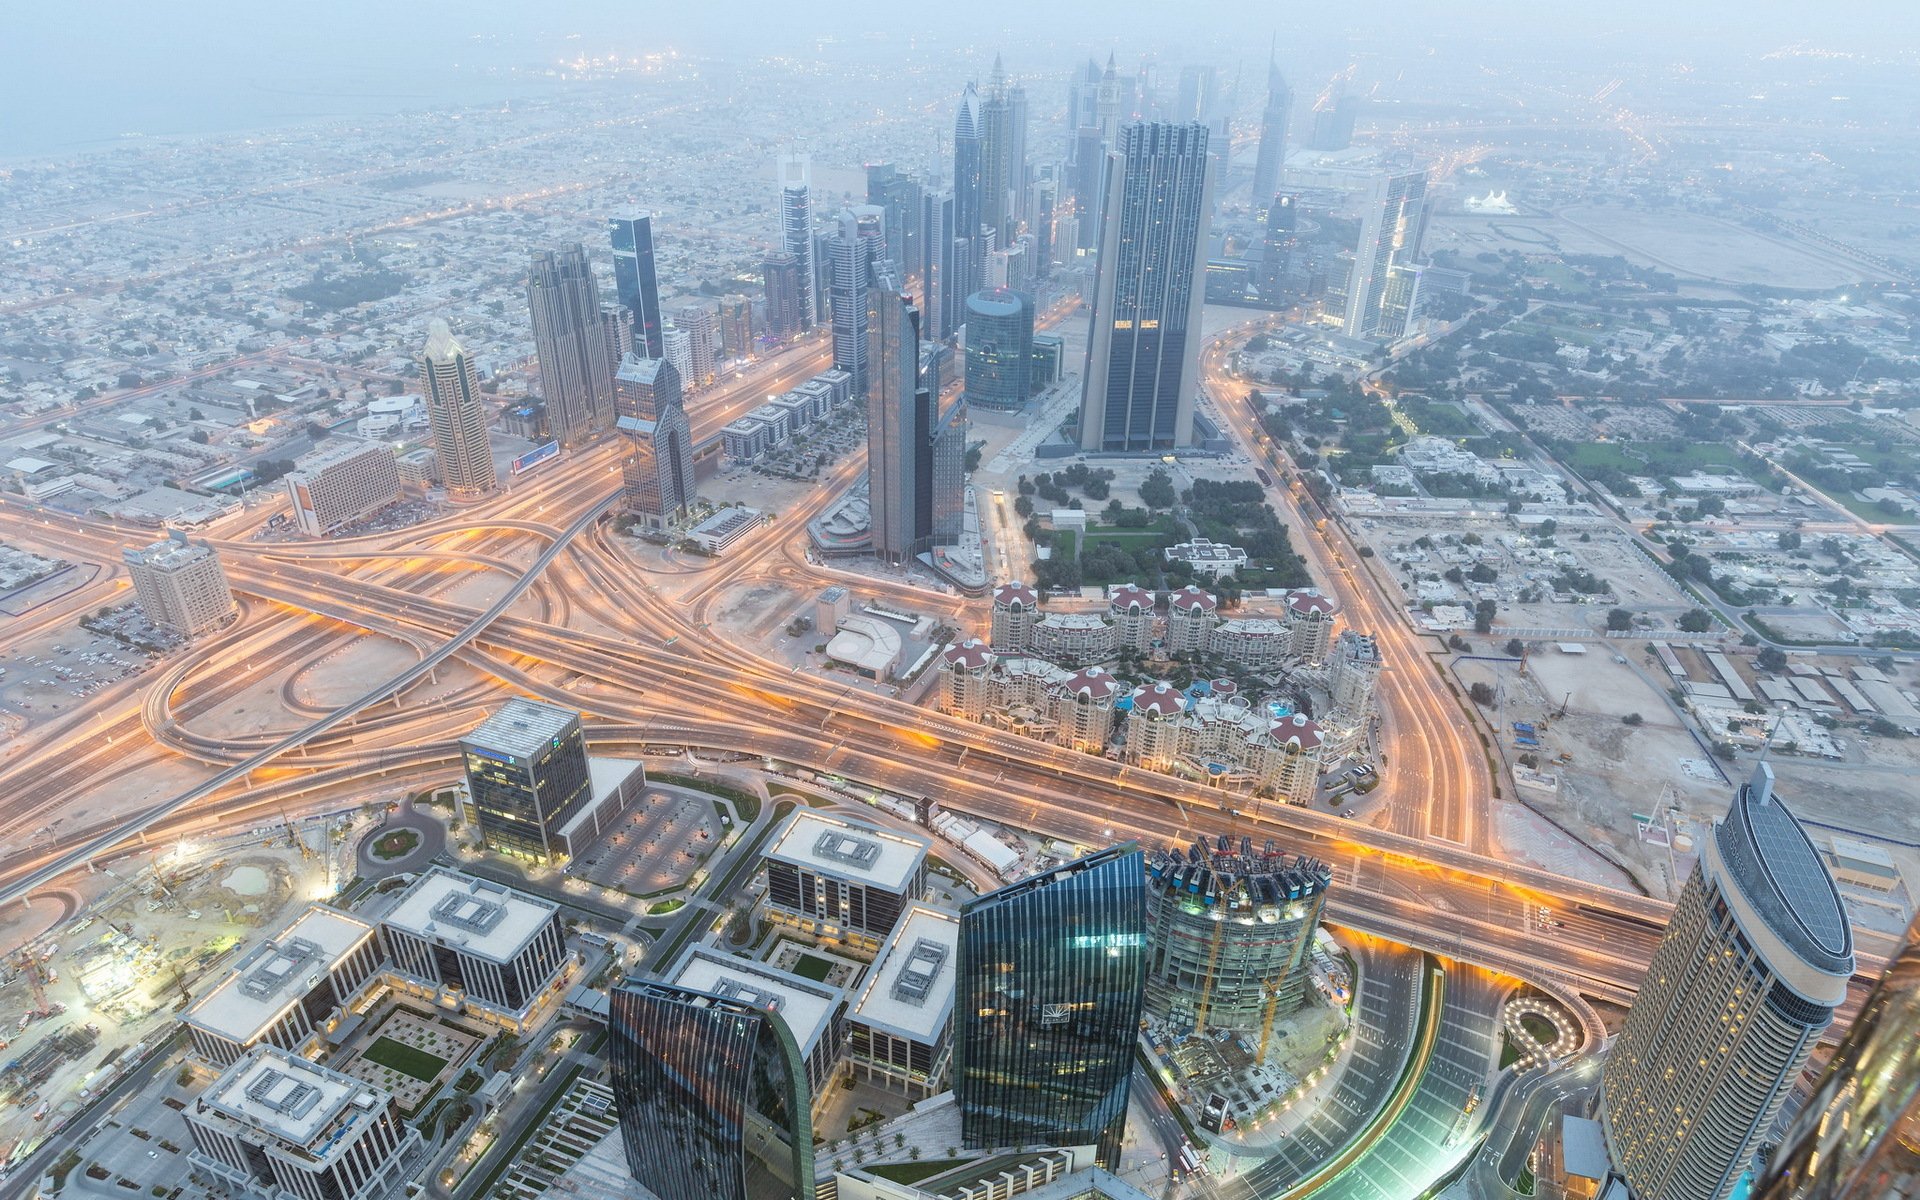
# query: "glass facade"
(634, 278)
(1047, 1005)
(520, 800)
(999, 349)
(711, 1095)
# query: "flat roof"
(296, 1101)
(829, 844)
(807, 1007)
(909, 990)
(1582, 1147)
(276, 974)
(482, 918)
(522, 727)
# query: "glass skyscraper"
(711, 1095)
(457, 414)
(634, 279)
(796, 230)
(999, 349)
(854, 252)
(576, 380)
(1049, 983)
(526, 775)
(658, 468)
(1143, 344)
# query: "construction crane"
(294, 840)
(29, 966)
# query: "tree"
(1881, 727)
(1619, 620)
(1482, 694)
(1156, 490)
(1634, 719)
(1790, 539)
(1483, 616)
(1772, 658)
(1515, 648)
(1696, 620)
(1023, 506)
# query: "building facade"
(1016, 607)
(1274, 119)
(899, 424)
(1755, 959)
(1392, 221)
(1047, 1005)
(570, 343)
(1132, 610)
(527, 775)
(999, 349)
(657, 471)
(635, 280)
(340, 484)
(796, 232)
(837, 878)
(286, 990)
(899, 1028)
(180, 585)
(854, 251)
(1191, 616)
(457, 415)
(701, 324)
(485, 949)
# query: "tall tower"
(570, 342)
(898, 194)
(787, 289)
(658, 468)
(898, 427)
(634, 278)
(969, 166)
(796, 230)
(1392, 220)
(180, 584)
(1106, 104)
(1047, 998)
(1274, 119)
(527, 775)
(1755, 959)
(853, 253)
(456, 414)
(997, 157)
(1143, 348)
(1019, 205)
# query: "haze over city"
(1097, 600)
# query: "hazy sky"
(79, 72)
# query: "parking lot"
(656, 846)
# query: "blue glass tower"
(999, 349)
(634, 279)
(1048, 991)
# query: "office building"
(853, 256)
(897, 195)
(679, 352)
(736, 326)
(1230, 930)
(811, 1009)
(635, 280)
(948, 267)
(941, 506)
(1274, 119)
(1278, 250)
(786, 287)
(903, 428)
(275, 1127)
(1392, 221)
(526, 775)
(570, 343)
(969, 166)
(999, 349)
(484, 949)
(457, 415)
(180, 585)
(286, 990)
(616, 327)
(899, 1027)
(1143, 349)
(1333, 119)
(657, 469)
(796, 231)
(711, 1093)
(1857, 1137)
(701, 324)
(1002, 149)
(1047, 1005)
(837, 878)
(340, 484)
(1754, 961)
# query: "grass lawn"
(914, 1172)
(398, 844)
(1655, 458)
(810, 966)
(405, 1059)
(1541, 1028)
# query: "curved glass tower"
(1047, 1005)
(711, 1094)
(999, 349)
(1754, 961)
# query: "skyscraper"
(616, 328)
(853, 253)
(456, 414)
(1048, 989)
(634, 278)
(711, 1093)
(1333, 123)
(969, 166)
(576, 380)
(786, 294)
(999, 349)
(1199, 87)
(736, 326)
(1272, 159)
(947, 269)
(796, 230)
(996, 155)
(897, 195)
(1392, 220)
(1858, 1136)
(1277, 251)
(702, 327)
(899, 425)
(658, 468)
(1143, 348)
(1755, 959)
(526, 775)
(1018, 199)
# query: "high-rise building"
(969, 165)
(526, 774)
(1333, 119)
(899, 427)
(948, 267)
(1106, 105)
(702, 326)
(1274, 119)
(711, 1093)
(1230, 930)
(736, 326)
(658, 471)
(457, 414)
(1047, 1005)
(834, 877)
(180, 585)
(342, 483)
(897, 195)
(1392, 220)
(999, 349)
(943, 500)
(1143, 351)
(796, 231)
(635, 279)
(616, 326)
(853, 254)
(787, 290)
(1754, 961)
(1278, 249)
(1857, 1137)
(1018, 182)
(1198, 94)
(570, 343)
(678, 350)
(998, 161)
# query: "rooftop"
(807, 1007)
(909, 991)
(480, 918)
(294, 1101)
(1775, 866)
(848, 849)
(522, 727)
(275, 974)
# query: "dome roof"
(1192, 598)
(1159, 700)
(1309, 603)
(1097, 682)
(1298, 729)
(1009, 594)
(1129, 595)
(970, 655)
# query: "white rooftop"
(846, 849)
(909, 991)
(295, 1101)
(276, 974)
(480, 918)
(522, 727)
(807, 1007)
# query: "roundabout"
(406, 841)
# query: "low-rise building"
(811, 1010)
(1208, 558)
(287, 991)
(898, 1028)
(837, 878)
(744, 441)
(485, 949)
(718, 533)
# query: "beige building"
(1191, 616)
(1352, 677)
(1131, 609)
(1074, 639)
(457, 414)
(1015, 609)
(332, 487)
(1310, 616)
(180, 584)
(1251, 642)
(1029, 696)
